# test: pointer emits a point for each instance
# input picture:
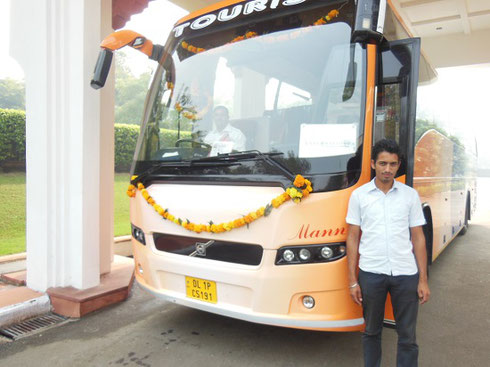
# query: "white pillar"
(107, 97)
(56, 42)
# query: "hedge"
(13, 139)
(12, 135)
(125, 137)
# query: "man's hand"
(423, 292)
(356, 295)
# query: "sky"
(464, 91)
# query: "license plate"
(201, 289)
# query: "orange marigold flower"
(248, 219)
(184, 44)
(199, 49)
(299, 181)
(240, 222)
(333, 13)
(145, 194)
(140, 186)
(151, 201)
(305, 193)
(159, 209)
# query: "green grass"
(121, 205)
(13, 213)
(13, 204)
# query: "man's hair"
(223, 108)
(386, 145)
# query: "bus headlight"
(326, 252)
(307, 254)
(288, 255)
(138, 234)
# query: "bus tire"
(466, 218)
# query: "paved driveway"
(453, 328)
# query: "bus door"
(396, 97)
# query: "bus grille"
(232, 252)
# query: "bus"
(258, 125)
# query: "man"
(224, 138)
(385, 233)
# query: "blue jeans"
(404, 298)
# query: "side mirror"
(350, 81)
(114, 42)
(102, 68)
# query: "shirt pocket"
(372, 211)
(399, 213)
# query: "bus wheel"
(466, 219)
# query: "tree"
(12, 94)
(130, 92)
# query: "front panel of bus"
(295, 89)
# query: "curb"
(23, 255)
(24, 310)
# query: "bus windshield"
(285, 86)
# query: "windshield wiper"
(195, 163)
(250, 154)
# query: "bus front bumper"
(247, 315)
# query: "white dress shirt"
(385, 221)
(226, 140)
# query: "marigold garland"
(187, 114)
(300, 189)
(327, 18)
(323, 20)
(197, 50)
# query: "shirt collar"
(372, 185)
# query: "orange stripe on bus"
(368, 119)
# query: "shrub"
(12, 135)
(125, 137)
(13, 140)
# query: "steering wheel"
(177, 143)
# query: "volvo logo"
(201, 248)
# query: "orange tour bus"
(258, 125)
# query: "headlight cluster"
(310, 254)
(138, 234)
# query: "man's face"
(386, 167)
(220, 117)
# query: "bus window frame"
(408, 101)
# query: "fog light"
(342, 249)
(140, 269)
(288, 255)
(308, 301)
(326, 252)
(304, 254)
